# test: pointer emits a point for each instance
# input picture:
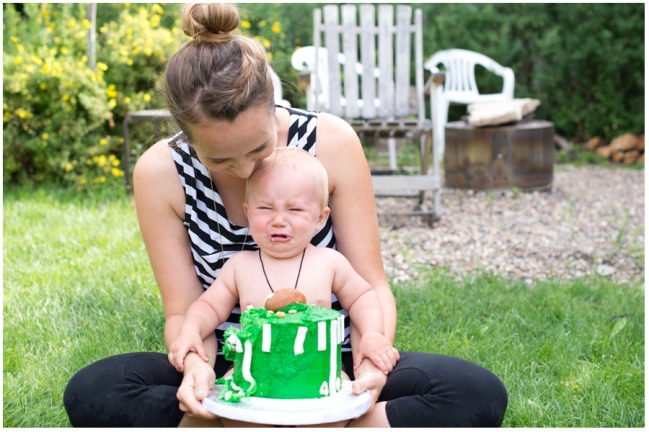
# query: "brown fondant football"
(283, 297)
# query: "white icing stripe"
(234, 340)
(333, 358)
(265, 338)
(322, 336)
(245, 368)
(298, 348)
(341, 329)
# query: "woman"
(189, 193)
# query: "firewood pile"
(627, 148)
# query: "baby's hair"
(218, 74)
(293, 157)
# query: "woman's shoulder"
(155, 173)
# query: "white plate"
(343, 405)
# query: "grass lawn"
(78, 287)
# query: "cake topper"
(283, 297)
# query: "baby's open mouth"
(279, 237)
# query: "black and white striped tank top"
(210, 249)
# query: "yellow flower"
(110, 41)
(112, 103)
(117, 172)
(86, 23)
(45, 135)
(37, 60)
(147, 97)
(126, 4)
(245, 24)
(84, 58)
(20, 48)
(46, 68)
(102, 29)
(155, 20)
(266, 43)
(44, 143)
(122, 51)
(64, 50)
(103, 142)
(115, 162)
(148, 51)
(110, 91)
(127, 100)
(269, 55)
(18, 60)
(157, 9)
(29, 68)
(72, 22)
(129, 62)
(45, 13)
(21, 113)
(82, 180)
(52, 51)
(51, 26)
(101, 160)
(65, 97)
(102, 66)
(68, 167)
(262, 23)
(42, 86)
(277, 27)
(14, 39)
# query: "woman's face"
(237, 147)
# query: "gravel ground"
(591, 222)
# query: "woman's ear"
(245, 208)
(322, 218)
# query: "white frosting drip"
(245, 367)
(234, 340)
(322, 336)
(298, 347)
(265, 338)
(333, 358)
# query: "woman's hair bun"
(209, 22)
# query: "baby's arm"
(358, 297)
(210, 310)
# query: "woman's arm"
(353, 209)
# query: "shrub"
(62, 121)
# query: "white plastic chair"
(460, 86)
(278, 94)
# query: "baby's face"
(284, 211)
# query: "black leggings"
(424, 390)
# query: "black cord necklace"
(298, 272)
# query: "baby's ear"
(324, 213)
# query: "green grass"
(78, 287)
(571, 354)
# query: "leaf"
(619, 325)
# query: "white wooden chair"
(375, 104)
(460, 85)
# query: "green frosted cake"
(290, 353)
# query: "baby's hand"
(377, 348)
(187, 341)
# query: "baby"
(286, 203)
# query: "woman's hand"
(198, 380)
(369, 377)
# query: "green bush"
(62, 120)
(584, 62)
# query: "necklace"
(298, 272)
(218, 226)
